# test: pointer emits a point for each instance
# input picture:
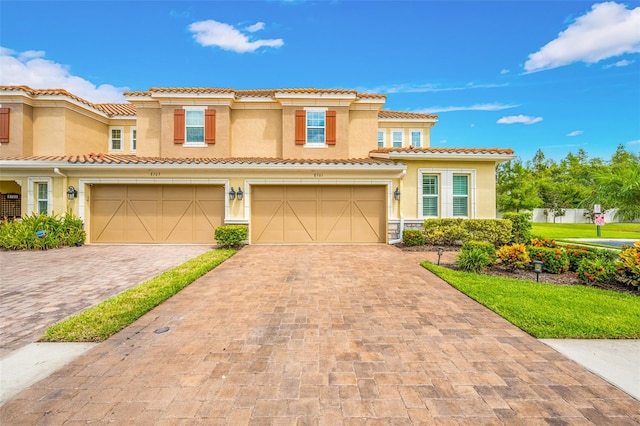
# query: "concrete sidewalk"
(322, 335)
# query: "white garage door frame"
(388, 183)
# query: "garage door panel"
(318, 214)
(155, 213)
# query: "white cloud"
(226, 37)
(635, 142)
(477, 107)
(621, 63)
(443, 141)
(522, 119)
(575, 133)
(255, 27)
(505, 71)
(31, 69)
(426, 88)
(608, 30)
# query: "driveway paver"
(40, 288)
(322, 335)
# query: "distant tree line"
(576, 181)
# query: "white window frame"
(32, 194)
(133, 140)
(445, 209)
(308, 144)
(112, 139)
(393, 139)
(420, 137)
(186, 139)
(436, 195)
(454, 196)
(382, 132)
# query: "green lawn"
(558, 231)
(551, 311)
(96, 324)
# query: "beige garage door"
(308, 214)
(155, 213)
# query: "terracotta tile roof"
(261, 93)
(412, 150)
(190, 90)
(117, 109)
(109, 109)
(404, 115)
(100, 158)
(136, 93)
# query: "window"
(460, 195)
(115, 138)
(42, 189)
(397, 138)
(134, 137)
(194, 126)
(380, 138)
(4, 125)
(430, 191)
(416, 138)
(315, 126)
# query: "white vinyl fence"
(572, 216)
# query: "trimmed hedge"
(231, 235)
(412, 237)
(458, 231)
(520, 226)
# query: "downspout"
(66, 181)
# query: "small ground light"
(537, 268)
(440, 251)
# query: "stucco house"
(294, 165)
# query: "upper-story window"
(315, 127)
(134, 139)
(381, 134)
(194, 126)
(416, 138)
(115, 138)
(397, 138)
(4, 125)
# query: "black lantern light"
(72, 193)
(396, 194)
(537, 268)
(232, 194)
(240, 194)
(440, 251)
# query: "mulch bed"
(567, 278)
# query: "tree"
(516, 188)
(619, 185)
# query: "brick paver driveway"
(40, 288)
(322, 335)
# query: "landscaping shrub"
(577, 253)
(473, 260)
(446, 232)
(554, 260)
(595, 270)
(55, 231)
(628, 266)
(485, 246)
(458, 231)
(514, 256)
(520, 226)
(412, 237)
(543, 242)
(231, 235)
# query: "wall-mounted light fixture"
(240, 194)
(232, 194)
(537, 268)
(72, 193)
(396, 194)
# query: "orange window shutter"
(4, 125)
(178, 125)
(210, 126)
(331, 127)
(301, 127)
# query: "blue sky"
(555, 75)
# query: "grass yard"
(548, 310)
(99, 322)
(558, 231)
